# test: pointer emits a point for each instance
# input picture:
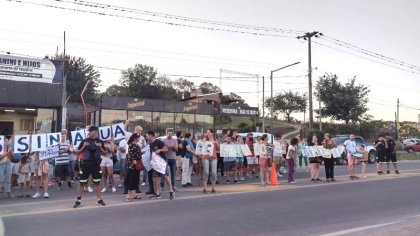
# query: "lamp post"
(271, 105)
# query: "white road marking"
(2, 228)
(354, 230)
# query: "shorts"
(91, 167)
(15, 168)
(380, 158)
(34, 167)
(156, 174)
(107, 162)
(229, 165)
(252, 160)
(392, 158)
(277, 160)
(240, 160)
(62, 171)
(43, 168)
(24, 178)
(351, 160)
(178, 162)
(262, 161)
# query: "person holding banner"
(351, 148)
(230, 160)
(302, 157)
(252, 161)
(315, 161)
(107, 165)
(329, 143)
(41, 172)
(210, 161)
(133, 175)
(263, 161)
(6, 168)
(240, 160)
(91, 148)
(291, 157)
(187, 162)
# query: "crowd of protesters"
(91, 164)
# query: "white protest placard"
(257, 149)
(105, 133)
(338, 151)
(53, 139)
(238, 150)
(158, 163)
(145, 158)
(1, 144)
(231, 150)
(277, 147)
(51, 152)
(22, 143)
(208, 148)
(200, 147)
(326, 153)
(245, 150)
(118, 131)
(77, 137)
(224, 150)
(38, 142)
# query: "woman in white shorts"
(107, 166)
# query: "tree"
(139, 81)
(116, 90)
(184, 86)
(346, 102)
(287, 103)
(207, 88)
(233, 99)
(78, 72)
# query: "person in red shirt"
(252, 161)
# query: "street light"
(271, 105)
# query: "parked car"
(340, 139)
(414, 147)
(410, 141)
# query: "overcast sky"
(386, 27)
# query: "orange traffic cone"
(273, 176)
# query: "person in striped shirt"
(62, 162)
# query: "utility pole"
(397, 119)
(308, 36)
(263, 105)
(320, 112)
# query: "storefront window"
(113, 116)
(46, 120)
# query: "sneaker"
(292, 182)
(101, 202)
(379, 172)
(119, 186)
(190, 184)
(103, 190)
(278, 175)
(143, 184)
(77, 204)
(171, 195)
(332, 180)
(184, 185)
(306, 171)
(149, 192)
(228, 181)
(90, 189)
(388, 172)
(37, 195)
(242, 179)
(313, 180)
(217, 181)
(46, 195)
(155, 197)
(355, 177)
(328, 180)
(397, 172)
(236, 182)
(285, 171)
(318, 179)
(114, 189)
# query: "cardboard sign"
(208, 148)
(200, 147)
(118, 131)
(105, 133)
(257, 149)
(1, 144)
(39, 142)
(158, 163)
(22, 143)
(77, 137)
(50, 152)
(53, 139)
(245, 150)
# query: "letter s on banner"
(118, 131)
(77, 137)
(22, 143)
(53, 139)
(105, 133)
(1, 144)
(39, 142)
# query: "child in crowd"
(291, 158)
(24, 175)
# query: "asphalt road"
(378, 205)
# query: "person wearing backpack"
(188, 151)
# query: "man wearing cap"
(91, 148)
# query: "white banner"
(158, 164)
(234, 150)
(145, 158)
(50, 152)
(30, 69)
(118, 131)
(77, 137)
(1, 144)
(39, 142)
(313, 151)
(22, 143)
(53, 139)
(105, 133)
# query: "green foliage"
(78, 72)
(319, 134)
(207, 88)
(287, 103)
(346, 102)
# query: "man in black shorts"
(380, 145)
(158, 147)
(391, 154)
(91, 148)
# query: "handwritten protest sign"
(145, 158)
(50, 152)
(158, 163)
(1, 144)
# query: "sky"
(386, 27)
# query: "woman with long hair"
(133, 175)
(210, 162)
(263, 161)
(315, 161)
(329, 143)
